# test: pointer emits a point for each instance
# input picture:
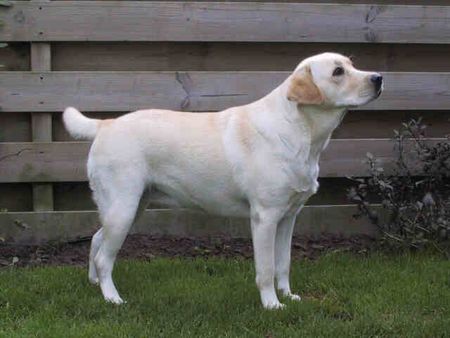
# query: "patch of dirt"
(147, 247)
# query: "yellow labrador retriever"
(260, 161)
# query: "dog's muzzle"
(377, 81)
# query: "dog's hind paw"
(94, 280)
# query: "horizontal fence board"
(223, 21)
(43, 162)
(380, 2)
(356, 124)
(381, 124)
(66, 161)
(235, 56)
(39, 227)
(196, 91)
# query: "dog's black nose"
(377, 80)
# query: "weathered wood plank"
(223, 21)
(40, 57)
(356, 124)
(41, 126)
(245, 56)
(381, 124)
(43, 196)
(66, 161)
(196, 91)
(39, 227)
(378, 2)
(41, 123)
(43, 162)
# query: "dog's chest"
(302, 178)
(300, 167)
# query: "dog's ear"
(302, 88)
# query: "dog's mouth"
(375, 96)
(378, 93)
(365, 98)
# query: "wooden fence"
(110, 57)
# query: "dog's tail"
(78, 125)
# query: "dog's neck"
(296, 135)
(319, 122)
(322, 123)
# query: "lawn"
(343, 295)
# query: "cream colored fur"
(259, 161)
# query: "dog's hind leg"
(97, 239)
(143, 204)
(95, 245)
(116, 224)
(118, 198)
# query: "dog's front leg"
(283, 255)
(264, 227)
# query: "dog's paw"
(115, 300)
(293, 296)
(274, 306)
(94, 280)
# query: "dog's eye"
(338, 71)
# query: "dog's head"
(331, 80)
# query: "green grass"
(343, 296)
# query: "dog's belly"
(219, 202)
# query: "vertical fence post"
(41, 126)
